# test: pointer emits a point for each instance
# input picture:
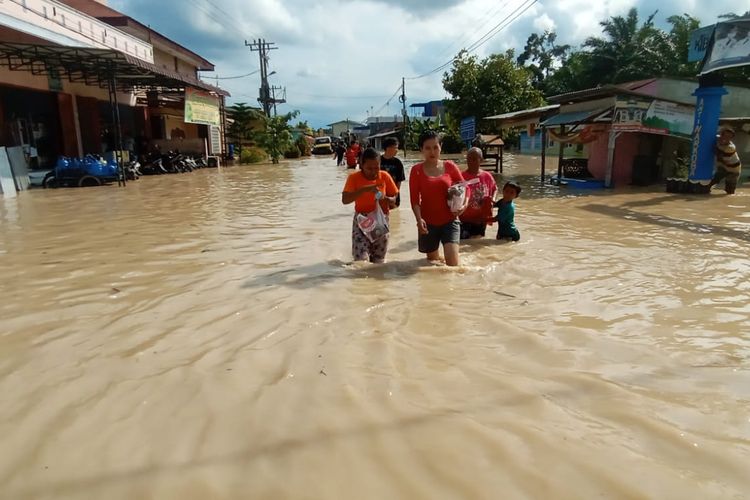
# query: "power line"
(388, 101)
(233, 77)
(497, 30)
(343, 98)
(487, 18)
(507, 21)
(221, 21)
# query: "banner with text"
(201, 108)
(729, 46)
(653, 117)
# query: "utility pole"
(404, 123)
(274, 100)
(262, 47)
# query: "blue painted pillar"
(707, 112)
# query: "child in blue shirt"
(506, 211)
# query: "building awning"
(93, 66)
(39, 31)
(574, 117)
(523, 117)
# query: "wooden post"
(544, 152)
(502, 148)
(560, 154)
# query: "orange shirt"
(366, 202)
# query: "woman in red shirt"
(428, 188)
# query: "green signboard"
(201, 108)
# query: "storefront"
(101, 100)
(626, 138)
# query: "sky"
(344, 59)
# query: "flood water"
(205, 335)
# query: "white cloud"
(344, 58)
(544, 23)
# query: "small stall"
(628, 137)
(492, 151)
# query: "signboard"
(729, 47)
(214, 137)
(699, 40)
(468, 129)
(653, 117)
(201, 108)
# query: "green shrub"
(253, 155)
(452, 143)
(303, 146)
(292, 152)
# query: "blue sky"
(342, 59)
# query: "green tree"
(575, 74)
(629, 51)
(276, 136)
(240, 130)
(732, 15)
(304, 127)
(494, 85)
(542, 56)
(682, 28)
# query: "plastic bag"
(374, 225)
(457, 194)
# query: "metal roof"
(96, 67)
(572, 117)
(524, 113)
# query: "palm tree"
(629, 51)
(682, 27)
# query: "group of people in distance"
(438, 220)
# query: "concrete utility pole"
(404, 123)
(262, 47)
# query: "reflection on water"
(206, 336)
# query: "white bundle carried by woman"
(457, 194)
(375, 224)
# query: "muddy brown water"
(205, 336)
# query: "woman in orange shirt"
(361, 188)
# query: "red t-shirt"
(431, 193)
(480, 197)
(351, 157)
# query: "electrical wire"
(507, 21)
(342, 98)
(233, 77)
(487, 16)
(388, 101)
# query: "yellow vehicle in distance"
(322, 146)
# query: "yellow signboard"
(201, 108)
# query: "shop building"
(617, 135)
(79, 77)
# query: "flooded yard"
(206, 336)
